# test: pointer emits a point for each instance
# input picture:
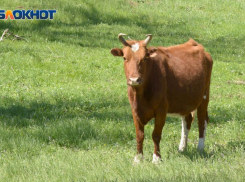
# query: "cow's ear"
(117, 52)
(152, 51)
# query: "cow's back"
(187, 70)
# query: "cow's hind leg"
(186, 126)
(202, 115)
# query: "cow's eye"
(124, 58)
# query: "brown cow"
(166, 81)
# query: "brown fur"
(174, 80)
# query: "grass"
(64, 112)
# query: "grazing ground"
(64, 112)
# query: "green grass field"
(64, 111)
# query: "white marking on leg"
(205, 97)
(135, 47)
(138, 158)
(184, 135)
(156, 159)
(202, 140)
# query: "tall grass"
(64, 112)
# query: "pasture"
(64, 111)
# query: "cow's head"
(135, 55)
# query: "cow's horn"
(148, 39)
(120, 36)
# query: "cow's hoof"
(138, 159)
(181, 149)
(156, 159)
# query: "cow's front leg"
(156, 136)
(139, 128)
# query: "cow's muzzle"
(134, 81)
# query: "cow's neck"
(138, 93)
(144, 99)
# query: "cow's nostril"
(134, 81)
(138, 80)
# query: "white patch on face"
(202, 140)
(205, 97)
(156, 159)
(184, 136)
(138, 158)
(135, 47)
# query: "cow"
(166, 81)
